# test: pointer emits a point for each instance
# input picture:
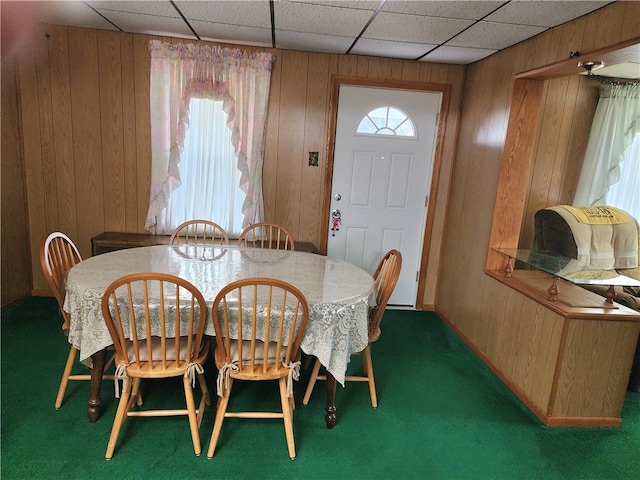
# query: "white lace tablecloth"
(339, 294)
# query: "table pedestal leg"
(330, 417)
(99, 359)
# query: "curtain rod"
(614, 80)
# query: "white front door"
(381, 179)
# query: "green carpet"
(442, 415)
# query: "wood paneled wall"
(85, 119)
(567, 114)
(16, 271)
(484, 311)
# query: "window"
(209, 174)
(387, 120)
(240, 81)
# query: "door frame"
(445, 90)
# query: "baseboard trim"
(14, 302)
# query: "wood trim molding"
(573, 300)
(618, 53)
(445, 90)
(517, 159)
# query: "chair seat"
(275, 369)
(146, 369)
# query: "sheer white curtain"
(241, 81)
(611, 169)
(625, 194)
(210, 178)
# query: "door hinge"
(417, 276)
(437, 118)
(426, 201)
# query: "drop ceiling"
(456, 32)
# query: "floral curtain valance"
(241, 80)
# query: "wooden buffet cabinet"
(567, 359)
(111, 241)
(571, 362)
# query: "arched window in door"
(387, 120)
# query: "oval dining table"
(339, 296)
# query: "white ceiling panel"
(160, 8)
(299, 17)
(70, 14)
(243, 13)
(457, 55)
(543, 14)
(494, 35)
(457, 32)
(446, 9)
(150, 24)
(357, 4)
(222, 32)
(384, 48)
(312, 42)
(414, 28)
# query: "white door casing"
(381, 183)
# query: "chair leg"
(71, 358)
(135, 396)
(205, 400)
(312, 381)
(220, 413)
(307, 362)
(191, 413)
(121, 415)
(288, 418)
(366, 355)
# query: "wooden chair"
(163, 304)
(386, 277)
(57, 255)
(266, 235)
(199, 232)
(269, 350)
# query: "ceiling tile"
(245, 13)
(494, 35)
(159, 8)
(414, 28)
(457, 55)
(297, 17)
(447, 9)
(545, 13)
(312, 42)
(357, 4)
(386, 48)
(150, 24)
(221, 32)
(71, 14)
